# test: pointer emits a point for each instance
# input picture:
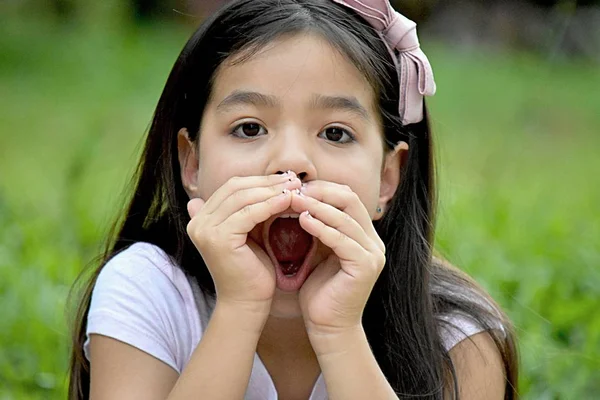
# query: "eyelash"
(351, 138)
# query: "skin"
(235, 187)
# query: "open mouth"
(290, 248)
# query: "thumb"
(194, 206)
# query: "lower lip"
(294, 283)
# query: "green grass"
(517, 146)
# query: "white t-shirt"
(143, 299)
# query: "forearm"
(221, 365)
(349, 367)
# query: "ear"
(390, 175)
(188, 162)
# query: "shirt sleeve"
(136, 302)
(457, 327)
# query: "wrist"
(327, 342)
(247, 317)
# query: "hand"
(242, 272)
(334, 295)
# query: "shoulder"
(462, 307)
(475, 332)
(142, 274)
(142, 298)
(479, 368)
(141, 261)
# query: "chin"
(285, 305)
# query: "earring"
(378, 210)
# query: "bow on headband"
(400, 33)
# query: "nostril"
(301, 175)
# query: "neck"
(286, 352)
(285, 336)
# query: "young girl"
(278, 244)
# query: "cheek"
(369, 194)
(214, 172)
(364, 178)
(213, 169)
(220, 162)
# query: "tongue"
(290, 243)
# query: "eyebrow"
(241, 98)
(343, 103)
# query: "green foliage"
(519, 193)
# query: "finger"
(354, 259)
(194, 206)
(242, 198)
(243, 221)
(334, 218)
(343, 198)
(238, 183)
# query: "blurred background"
(517, 120)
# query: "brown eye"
(248, 130)
(251, 129)
(337, 135)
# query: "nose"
(302, 175)
(292, 154)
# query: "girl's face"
(296, 105)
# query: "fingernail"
(307, 213)
(285, 192)
(297, 191)
(289, 174)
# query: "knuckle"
(239, 195)
(246, 210)
(190, 228)
(379, 262)
(380, 245)
(352, 196)
(347, 218)
(196, 233)
(347, 196)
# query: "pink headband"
(400, 33)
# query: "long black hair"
(403, 316)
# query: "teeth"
(291, 275)
(289, 216)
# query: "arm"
(479, 368)
(220, 366)
(349, 367)
(139, 304)
(351, 371)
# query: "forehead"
(295, 69)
